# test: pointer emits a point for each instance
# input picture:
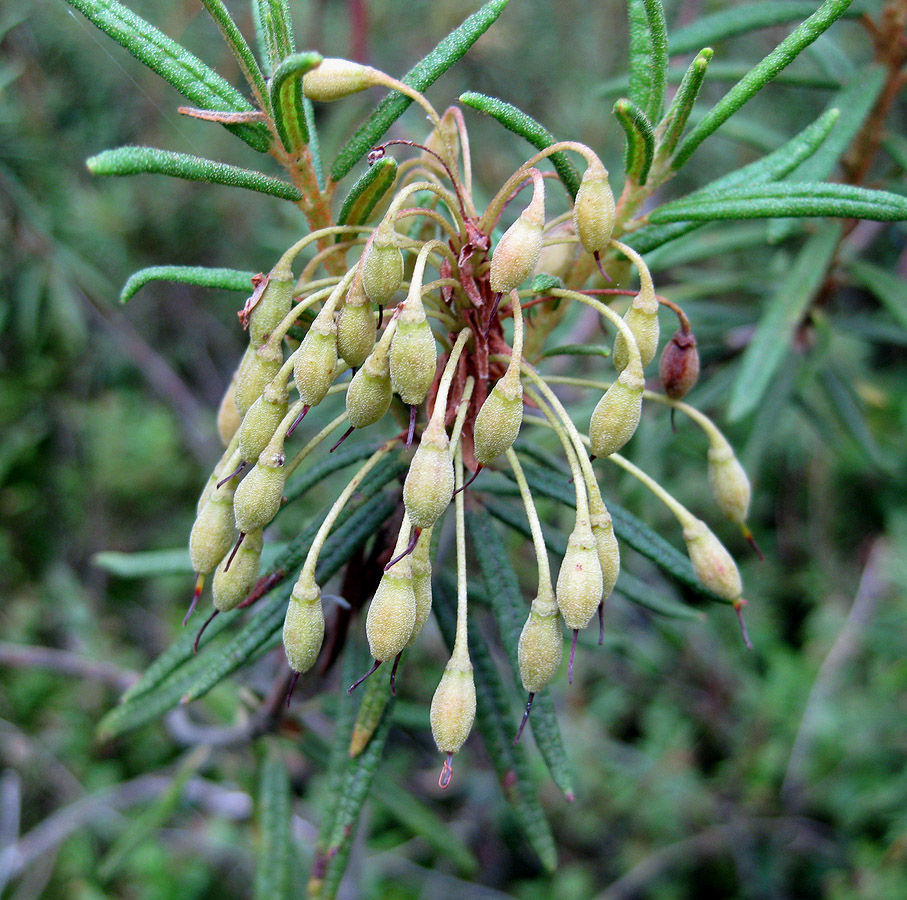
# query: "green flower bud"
(261, 420)
(728, 481)
(232, 586)
(616, 416)
(368, 397)
(382, 265)
(256, 371)
(273, 307)
(429, 484)
(356, 330)
(413, 359)
(228, 419)
(498, 422)
(579, 581)
(260, 493)
(641, 317)
(712, 563)
(333, 79)
(593, 209)
(420, 565)
(303, 627)
(313, 368)
(606, 545)
(212, 533)
(453, 708)
(517, 252)
(541, 646)
(392, 613)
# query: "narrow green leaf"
(770, 168)
(150, 160)
(896, 147)
(515, 120)
(186, 72)
(286, 99)
(577, 350)
(367, 192)
(672, 125)
(890, 289)
(274, 30)
(238, 46)
(173, 658)
(510, 609)
(147, 564)
(772, 339)
(640, 140)
(353, 792)
(800, 198)
(494, 714)
(421, 76)
(637, 591)
(758, 77)
(849, 410)
(648, 56)
(200, 276)
(314, 143)
(735, 21)
(375, 695)
(274, 866)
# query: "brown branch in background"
(24, 656)
(358, 15)
(890, 49)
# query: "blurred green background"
(702, 770)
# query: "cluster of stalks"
(408, 315)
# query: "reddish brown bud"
(679, 367)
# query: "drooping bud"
(712, 563)
(392, 612)
(453, 707)
(334, 79)
(231, 586)
(260, 493)
(303, 627)
(616, 416)
(420, 565)
(413, 356)
(541, 646)
(498, 422)
(641, 317)
(518, 250)
(605, 543)
(579, 581)
(356, 327)
(272, 308)
(261, 420)
(228, 419)
(593, 208)
(429, 484)
(727, 479)
(212, 533)
(256, 371)
(382, 265)
(679, 366)
(316, 358)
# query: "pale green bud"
(498, 422)
(313, 367)
(392, 612)
(356, 330)
(231, 586)
(429, 484)
(260, 493)
(333, 79)
(420, 565)
(256, 371)
(212, 533)
(579, 581)
(303, 627)
(517, 252)
(541, 645)
(261, 421)
(728, 481)
(453, 708)
(616, 416)
(712, 563)
(273, 307)
(228, 419)
(607, 547)
(382, 266)
(593, 209)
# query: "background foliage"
(698, 769)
